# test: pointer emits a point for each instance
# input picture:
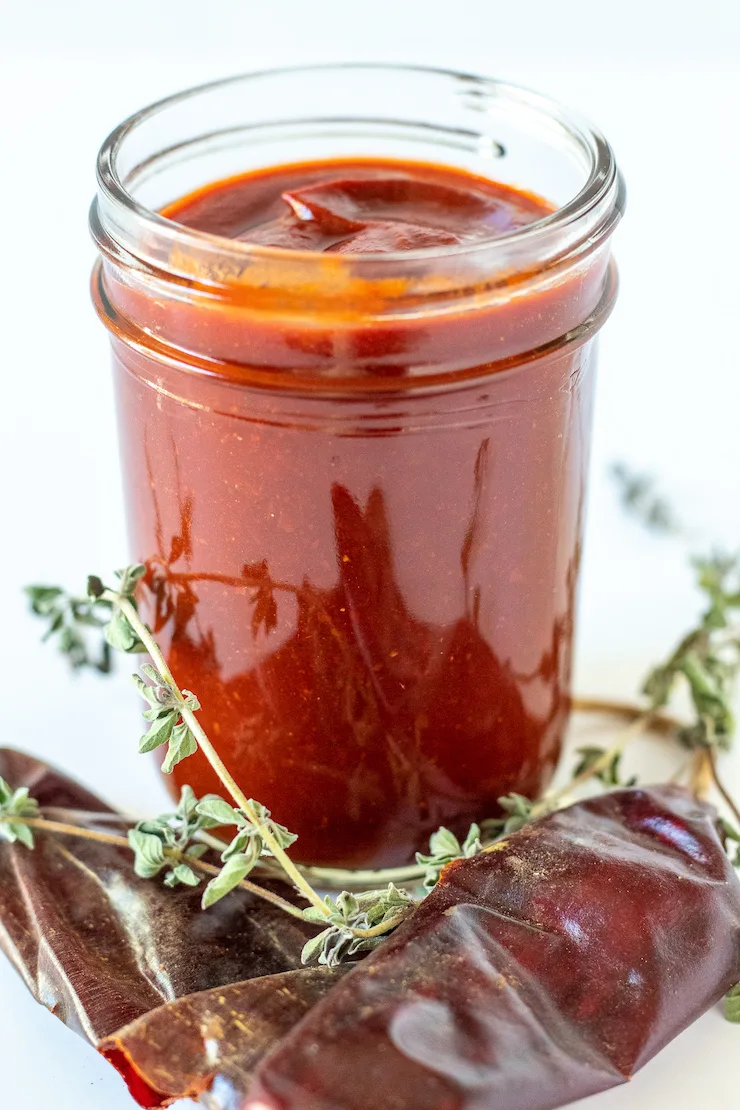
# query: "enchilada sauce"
(372, 599)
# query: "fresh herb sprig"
(169, 842)
(357, 923)
(172, 721)
(69, 621)
(603, 765)
(180, 707)
(640, 496)
(86, 628)
(248, 846)
(707, 659)
(178, 846)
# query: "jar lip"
(601, 197)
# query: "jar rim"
(120, 222)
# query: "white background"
(661, 78)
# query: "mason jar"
(357, 480)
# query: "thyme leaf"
(119, 632)
(519, 810)
(165, 714)
(233, 872)
(733, 835)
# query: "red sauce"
(371, 594)
(358, 207)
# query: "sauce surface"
(358, 207)
(372, 598)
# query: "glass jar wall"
(357, 479)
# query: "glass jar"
(358, 481)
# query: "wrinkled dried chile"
(141, 971)
(549, 968)
(545, 970)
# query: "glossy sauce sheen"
(348, 208)
(373, 600)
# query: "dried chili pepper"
(544, 970)
(140, 970)
(548, 968)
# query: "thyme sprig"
(603, 765)
(640, 496)
(357, 923)
(186, 735)
(173, 855)
(165, 844)
(707, 659)
(69, 621)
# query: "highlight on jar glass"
(354, 313)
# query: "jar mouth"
(130, 230)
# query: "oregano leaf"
(472, 844)
(149, 854)
(182, 874)
(218, 811)
(313, 948)
(181, 745)
(160, 732)
(18, 831)
(444, 843)
(121, 636)
(232, 873)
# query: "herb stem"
(662, 723)
(68, 830)
(74, 816)
(384, 927)
(82, 833)
(719, 784)
(187, 714)
(700, 774)
(254, 888)
(631, 732)
(219, 845)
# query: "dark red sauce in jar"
(362, 521)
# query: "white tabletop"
(662, 82)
